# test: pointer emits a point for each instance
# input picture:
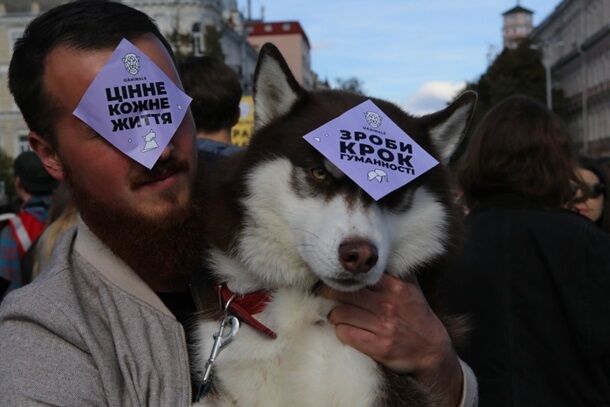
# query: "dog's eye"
(319, 173)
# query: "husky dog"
(281, 218)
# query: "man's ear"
(18, 182)
(47, 154)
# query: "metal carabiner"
(221, 340)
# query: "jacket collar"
(112, 268)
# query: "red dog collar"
(246, 306)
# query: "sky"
(415, 53)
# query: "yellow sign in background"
(241, 132)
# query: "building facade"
(186, 20)
(290, 38)
(14, 17)
(575, 40)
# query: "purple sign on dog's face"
(134, 105)
(371, 149)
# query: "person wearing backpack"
(19, 232)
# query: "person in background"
(533, 277)
(216, 93)
(591, 200)
(20, 231)
(63, 215)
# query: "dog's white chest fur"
(305, 366)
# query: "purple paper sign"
(371, 149)
(134, 105)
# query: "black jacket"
(536, 284)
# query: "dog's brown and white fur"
(273, 226)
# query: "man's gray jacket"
(90, 332)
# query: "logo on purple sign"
(371, 149)
(134, 105)
(373, 119)
(132, 63)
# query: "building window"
(286, 26)
(268, 28)
(23, 145)
(198, 44)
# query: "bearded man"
(103, 324)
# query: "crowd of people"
(105, 321)
(20, 231)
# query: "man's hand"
(393, 324)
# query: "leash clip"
(229, 326)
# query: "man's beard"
(162, 250)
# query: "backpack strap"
(32, 224)
(19, 231)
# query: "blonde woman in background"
(62, 215)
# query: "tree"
(181, 43)
(351, 84)
(211, 40)
(513, 71)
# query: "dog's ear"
(448, 126)
(275, 88)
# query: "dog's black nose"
(358, 255)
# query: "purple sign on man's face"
(371, 149)
(134, 105)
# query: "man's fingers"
(355, 317)
(366, 342)
(389, 291)
(359, 339)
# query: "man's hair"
(520, 148)
(81, 25)
(215, 90)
